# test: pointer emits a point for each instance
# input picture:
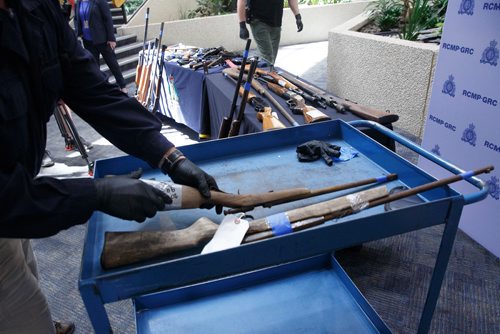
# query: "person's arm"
(294, 6)
(108, 20)
(240, 9)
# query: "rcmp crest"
(436, 149)
(490, 54)
(469, 135)
(494, 187)
(449, 86)
(466, 7)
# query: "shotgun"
(153, 106)
(297, 104)
(342, 105)
(226, 121)
(138, 70)
(146, 68)
(124, 248)
(236, 124)
(232, 72)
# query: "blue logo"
(466, 7)
(436, 151)
(493, 187)
(449, 86)
(469, 135)
(490, 54)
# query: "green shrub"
(386, 13)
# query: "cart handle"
(469, 198)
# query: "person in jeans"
(265, 17)
(94, 25)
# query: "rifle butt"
(235, 128)
(125, 248)
(224, 128)
(370, 114)
(269, 121)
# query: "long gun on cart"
(140, 64)
(153, 106)
(146, 68)
(343, 105)
(124, 248)
(152, 78)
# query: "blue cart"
(289, 283)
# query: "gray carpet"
(392, 273)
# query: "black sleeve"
(108, 20)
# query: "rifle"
(297, 104)
(232, 72)
(151, 81)
(138, 70)
(273, 77)
(235, 124)
(342, 105)
(146, 70)
(154, 103)
(123, 248)
(226, 121)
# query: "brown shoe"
(64, 327)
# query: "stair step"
(126, 50)
(125, 64)
(128, 75)
(125, 39)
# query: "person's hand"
(244, 34)
(183, 171)
(315, 149)
(298, 21)
(127, 197)
(112, 44)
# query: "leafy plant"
(386, 13)
(421, 15)
(132, 5)
(212, 7)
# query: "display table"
(171, 287)
(220, 91)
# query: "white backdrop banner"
(463, 123)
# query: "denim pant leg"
(267, 39)
(23, 307)
(110, 58)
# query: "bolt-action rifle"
(343, 105)
(297, 104)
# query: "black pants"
(109, 57)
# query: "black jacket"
(100, 22)
(51, 65)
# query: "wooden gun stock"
(296, 103)
(269, 120)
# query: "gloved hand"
(315, 149)
(298, 21)
(183, 171)
(127, 197)
(244, 34)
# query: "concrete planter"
(224, 30)
(382, 72)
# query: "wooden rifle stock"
(124, 248)
(297, 104)
(226, 121)
(140, 64)
(342, 105)
(262, 91)
(145, 70)
(152, 79)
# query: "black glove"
(244, 34)
(315, 149)
(126, 197)
(298, 21)
(182, 171)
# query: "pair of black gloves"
(127, 197)
(244, 34)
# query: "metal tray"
(264, 162)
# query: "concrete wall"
(162, 10)
(382, 72)
(224, 30)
